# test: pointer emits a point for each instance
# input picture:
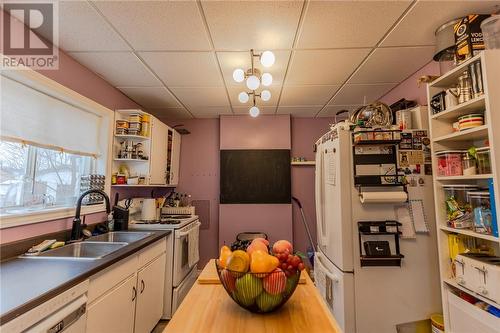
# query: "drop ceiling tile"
(392, 64)
(300, 111)
(323, 66)
(342, 24)
(184, 69)
(243, 25)
(158, 25)
(331, 110)
(210, 111)
(234, 92)
(263, 110)
(151, 97)
(229, 61)
(81, 28)
(201, 96)
(420, 23)
(168, 114)
(118, 68)
(352, 94)
(307, 95)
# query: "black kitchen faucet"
(76, 229)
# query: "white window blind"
(31, 116)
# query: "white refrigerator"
(368, 299)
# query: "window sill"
(16, 220)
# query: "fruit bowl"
(258, 292)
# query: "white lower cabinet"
(128, 296)
(150, 285)
(114, 311)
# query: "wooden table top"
(208, 308)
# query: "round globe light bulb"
(265, 95)
(267, 59)
(243, 97)
(254, 111)
(267, 79)
(238, 75)
(253, 82)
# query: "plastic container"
(468, 165)
(458, 208)
(437, 323)
(450, 163)
(483, 160)
(481, 210)
(491, 32)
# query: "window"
(49, 137)
(34, 178)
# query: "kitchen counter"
(208, 308)
(26, 283)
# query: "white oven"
(182, 246)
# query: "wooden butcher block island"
(208, 308)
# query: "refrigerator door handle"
(320, 196)
(331, 276)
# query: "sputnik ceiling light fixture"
(254, 79)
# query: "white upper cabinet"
(149, 155)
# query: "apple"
(282, 246)
(228, 280)
(275, 282)
(266, 302)
(248, 287)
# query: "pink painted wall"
(409, 89)
(263, 132)
(199, 176)
(80, 79)
(305, 132)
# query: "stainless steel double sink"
(93, 248)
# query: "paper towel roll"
(148, 212)
(383, 197)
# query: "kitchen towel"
(193, 246)
(383, 197)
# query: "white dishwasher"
(66, 312)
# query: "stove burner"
(170, 221)
(148, 221)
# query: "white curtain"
(28, 115)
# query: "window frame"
(47, 86)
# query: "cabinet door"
(150, 286)
(158, 154)
(176, 155)
(114, 311)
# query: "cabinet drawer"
(152, 251)
(465, 317)
(111, 276)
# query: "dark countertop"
(26, 283)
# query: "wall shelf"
(304, 163)
(476, 133)
(470, 292)
(468, 232)
(474, 105)
(471, 177)
(129, 160)
(448, 79)
(132, 137)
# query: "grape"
(300, 266)
(290, 267)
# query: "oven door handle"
(185, 233)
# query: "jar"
(121, 179)
(481, 211)
(449, 163)
(468, 165)
(483, 160)
(145, 125)
(458, 208)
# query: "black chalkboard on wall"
(255, 176)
